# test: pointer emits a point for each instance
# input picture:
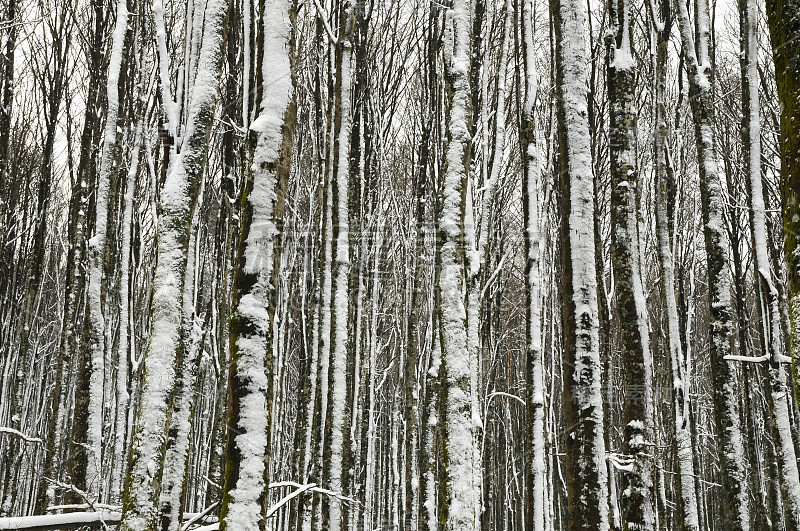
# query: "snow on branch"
(780, 358)
(299, 489)
(323, 15)
(311, 487)
(507, 395)
(62, 521)
(83, 506)
(198, 517)
(106, 515)
(621, 462)
(26, 438)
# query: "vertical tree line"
(368, 264)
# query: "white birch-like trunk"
(535, 467)
(339, 294)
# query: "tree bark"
(736, 510)
(244, 505)
(178, 200)
(783, 18)
(684, 447)
(461, 498)
(586, 473)
(638, 495)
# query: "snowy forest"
(361, 265)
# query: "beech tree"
(583, 403)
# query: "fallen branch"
(84, 506)
(62, 521)
(780, 358)
(106, 515)
(76, 520)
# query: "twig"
(286, 499)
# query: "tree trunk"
(684, 447)
(461, 498)
(533, 218)
(586, 473)
(769, 315)
(178, 200)
(736, 510)
(244, 505)
(340, 307)
(638, 496)
(783, 18)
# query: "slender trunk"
(125, 350)
(340, 308)
(684, 448)
(533, 218)
(98, 248)
(736, 510)
(586, 473)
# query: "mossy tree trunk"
(783, 18)
(250, 384)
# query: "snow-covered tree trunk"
(585, 463)
(726, 405)
(340, 308)
(98, 264)
(769, 315)
(664, 182)
(125, 348)
(245, 500)
(783, 17)
(176, 454)
(460, 506)
(533, 217)
(178, 199)
(638, 495)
